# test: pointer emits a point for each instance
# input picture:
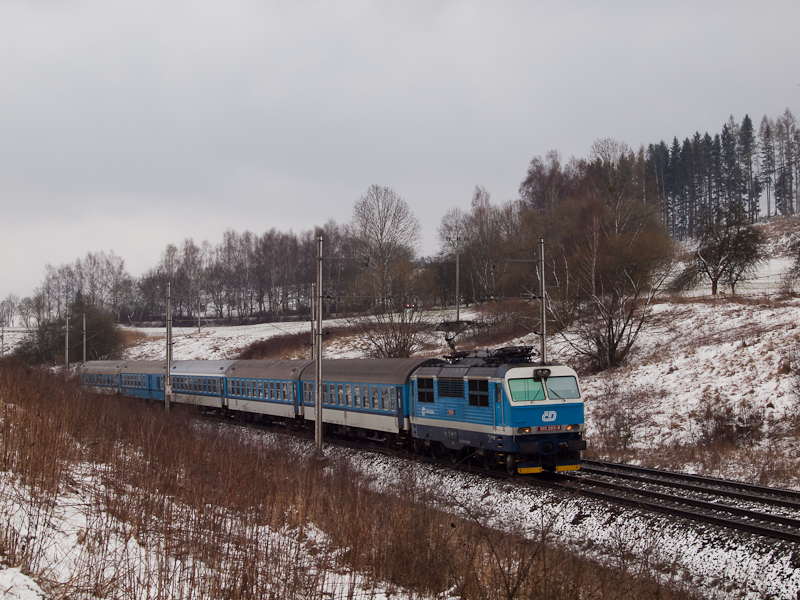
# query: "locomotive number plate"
(549, 428)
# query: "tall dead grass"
(188, 509)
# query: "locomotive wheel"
(511, 464)
(453, 455)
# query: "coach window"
(340, 389)
(357, 399)
(348, 392)
(393, 398)
(324, 393)
(478, 392)
(384, 398)
(310, 399)
(376, 399)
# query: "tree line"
(608, 221)
(741, 170)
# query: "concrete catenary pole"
(456, 243)
(318, 357)
(543, 302)
(66, 347)
(167, 379)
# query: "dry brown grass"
(131, 337)
(292, 345)
(196, 503)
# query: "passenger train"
(498, 405)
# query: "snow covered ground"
(714, 563)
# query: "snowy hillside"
(711, 387)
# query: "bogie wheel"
(418, 446)
(489, 460)
(437, 450)
(453, 455)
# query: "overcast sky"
(125, 126)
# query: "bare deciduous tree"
(384, 230)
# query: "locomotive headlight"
(541, 372)
(573, 427)
(524, 430)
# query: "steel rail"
(710, 486)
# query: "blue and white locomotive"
(496, 405)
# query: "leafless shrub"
(619, 413)
(726, 426)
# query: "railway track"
(763, 511)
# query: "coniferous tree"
(767, 139)
(747, 158)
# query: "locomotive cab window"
(526, 390)
(425, 389)
(478, 392)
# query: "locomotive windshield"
(526, 390)
(531, 389)
(562, 388)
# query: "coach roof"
(389, 371)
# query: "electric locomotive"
(502, 406)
